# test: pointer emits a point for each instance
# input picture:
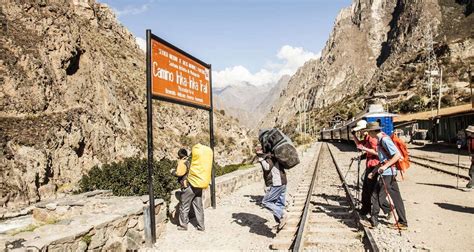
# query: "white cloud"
(141, 43)
(131, 10)
(290, 59)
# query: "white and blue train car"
(342, 132)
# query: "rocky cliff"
(73, 96)
(380, 46)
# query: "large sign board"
(175, 76)
(179, 77)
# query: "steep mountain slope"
(272, 96)
(73, 96)
(379, 46)
(246, 102)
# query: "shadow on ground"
(344, 147)
(443, 148)
(456, 208)
(440, 185)
(254, 222)
(257, 199)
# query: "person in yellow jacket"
(182, 168)
(196, 179)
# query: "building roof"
(427, 114)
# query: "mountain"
(248, 103)
(378, 49)
(73, 96)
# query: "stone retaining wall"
(82, 223)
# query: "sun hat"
(360, 125)
(371, 126)
(470, 129)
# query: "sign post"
(175, 76)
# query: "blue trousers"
(274, 200)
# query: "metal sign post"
(175, 76)
(149, 127)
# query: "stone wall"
(85, 222)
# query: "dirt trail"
(238, 222)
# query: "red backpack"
(404, 162)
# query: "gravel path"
(238, 222)
(440, 217)
(441, 153)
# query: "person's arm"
(356, 140)
(391, 150)
(265, 164)
(372, 146)
(368, 150)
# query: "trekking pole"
(358, 177)
(459, 150)
(347, 172)
(391, 205)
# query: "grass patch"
(29, 228)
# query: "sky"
(255, 41)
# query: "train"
(342, 131)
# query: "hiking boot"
(402, 226)
(469, 185)
(201, 229)
(388, 216)
(282, 222)
(182, 228)
(374, 221)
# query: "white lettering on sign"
(178, 76)
(171, 92)
(162, 73)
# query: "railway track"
(324, 217)
(451, 169)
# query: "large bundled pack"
(201, 166)
(280, 146)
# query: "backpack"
(404, 162)
(280, 146)
(199, 175)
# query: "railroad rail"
(444, 167)
(326, 219)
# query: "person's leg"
(367, 189)
(282, 200)
(396, 196)
(471, 175)
(198, 208)
(374, 199)
(271, 198)
(187, 196)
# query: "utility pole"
(440, 90)
(433, 71)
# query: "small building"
(439, 126)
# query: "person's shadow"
(257, 199)
(254, 222)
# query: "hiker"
(275, 181)
(470, 147)
(182, 168)
(388, 155)
(196, 179)
(369, 146)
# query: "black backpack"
(280, 146)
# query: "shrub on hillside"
(129, 178)
(414, 104)
(447, 101)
